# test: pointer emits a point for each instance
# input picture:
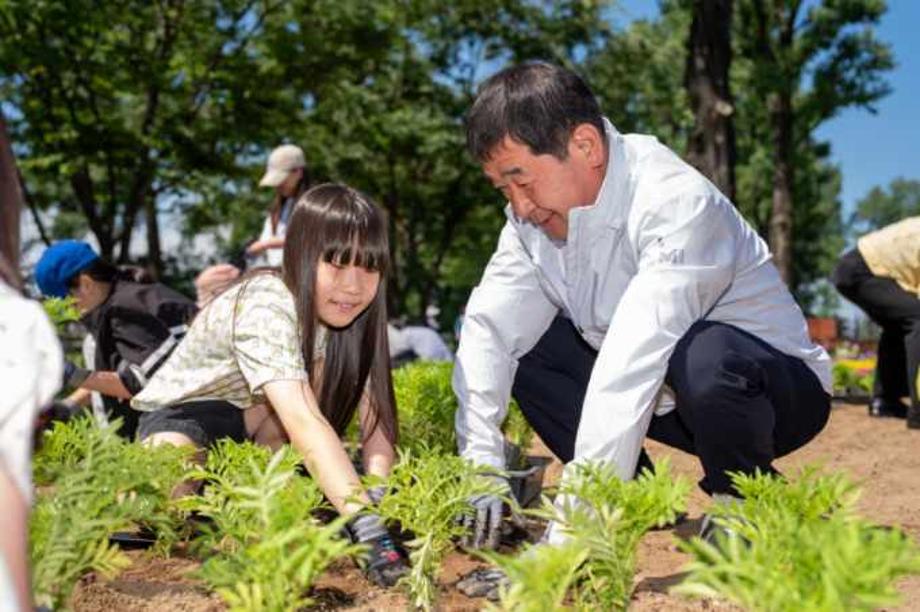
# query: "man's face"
(542, 189)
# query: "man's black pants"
(898, 314)
(740, 402)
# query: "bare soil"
(882, 455)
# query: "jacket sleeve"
(146, 334)
(505, 317)
(686, 252)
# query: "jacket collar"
(93, 318)
(610, 207)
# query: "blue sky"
(869, 149)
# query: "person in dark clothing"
(135, 326)
(882, 276)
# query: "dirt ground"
(882, 455)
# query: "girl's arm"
(377, 452)
(322, 450)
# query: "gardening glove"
(483, 582)
(482, 523)
(376, 493)
(61, 410)
(385, 562)
(74, 375)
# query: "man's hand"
(483, 522)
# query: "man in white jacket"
(626, 298)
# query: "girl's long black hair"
(335, 223)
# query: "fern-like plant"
(540, 577)
(427, 492)
(97, 484)
(427, 404)
(799, 546)
(61, 311)
(604, 519)
(264, 547)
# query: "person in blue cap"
(135, 325)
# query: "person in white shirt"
(287, 174)
(626, 298)
(31, 369)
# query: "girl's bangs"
(361, 246)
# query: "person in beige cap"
(287, 173)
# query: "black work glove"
(61, 410)
(484, 582)
(385, 562)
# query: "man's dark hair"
(536, 104)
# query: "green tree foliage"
(166, 118)
(121, 109)
(795, 67)
(638, 77)
(885, 205)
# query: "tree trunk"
(154, 257)
(711, 146)
(10, 205)
(780, 105)
(82, 186)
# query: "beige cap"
(280, 163)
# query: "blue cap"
(60, 263)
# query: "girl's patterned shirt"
(244, 338)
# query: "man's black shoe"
(913, 418)
(881, 407)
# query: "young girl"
(292, 357)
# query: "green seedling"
(427, 492)
(97, 483)
(61, 311)
(540, 577)
(604, 518)
(427, 404)
(799, 546)
(264, 548)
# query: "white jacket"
(659, 249)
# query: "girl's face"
(343, 291)
(288, 187)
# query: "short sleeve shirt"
(244, 338)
